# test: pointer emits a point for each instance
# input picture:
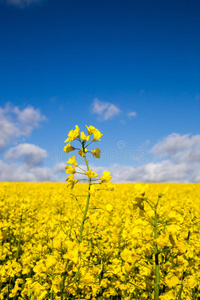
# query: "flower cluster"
(40, 249)
(94, 134)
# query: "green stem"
(78, 203)
(81, 169)
(86, 208)
(63, 286)
(180, 292)
(89, 144)
(87, 202)
(52, 295)
(157, 266)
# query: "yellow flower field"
(130, 241)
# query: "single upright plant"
(94, 183)
(157, 222)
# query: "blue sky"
(129, 68)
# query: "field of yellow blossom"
(121, 255)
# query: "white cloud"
(23, 164)
(176, 159)
(31, 155)
(179, 148)
(13, 172)
(8, 131)
(164, 171)
(132, 114)
(22, 3)
(15, 123)
(180, 162)
(105, 110)
(29, 117)
(44, 174)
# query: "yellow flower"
(167, 296)
(56, 284)
(191, 281)
(50, 261)
(90, 129)
(72, 161)
(126, 255)
(106, 176)
(72, 254)
(109, 207)
(68, 148)
(71, 181)
(140, 190)
(73, 134)
(162, 241)
(96, 135)
(93, 189)
(91, 174)
(96, 153)
(109, 186)
(70, 169)
(164, 192)
(173, 229)
(81, 153)
(172, 281)
(84, 137)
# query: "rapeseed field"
(99, 240)
(40, 251)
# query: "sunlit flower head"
(106, 176)
(84, 137)
(96, 135)
(73, 134)
(96, 153)
(68, 148)
(70, 169)
(90, 129)
(81, 152)
(72, 161)
(91, 174)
